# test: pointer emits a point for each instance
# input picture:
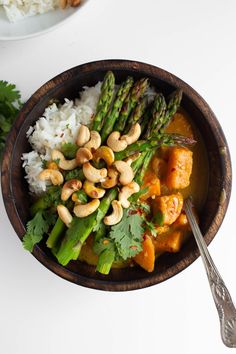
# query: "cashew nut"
(52, 165)
(57, 155)
(82, 210)
(111, 179)
(83, 135)
(95, 140)
(55, 176)
(83, 155)
(129, 160)
(75, 198)
(114, 142)
(64, 214)
(93, 174)
(126, 192)
(126, 172)
(92, 191)
(64, 164)
(133, 134)
(105, 153)
(116, 215)
(69, 188)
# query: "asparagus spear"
(107, 91)
(81, 228)
(56, 232)
(157, 111)
(101, 232)
(138, 162)
(113, 114)
(147, 158)
(155, 142)
(138, 146)
(130, 102)
(172, 107)
(137, 113)
(105, 261)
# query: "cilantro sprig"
(128, 234)
(125, 238)
(10, 104)
(36, 228)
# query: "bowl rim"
(113, 64)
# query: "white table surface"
(41, 313)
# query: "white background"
(43, 314)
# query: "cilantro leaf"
(36, 228)
(76, 173)
(103, 244)
(8, 92)
(136, 226)
(151, 227)
(69, 150)
(128, 234)
(9, 108)
(53, 196)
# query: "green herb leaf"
(9, 108)
(8, 92)
(82, 196)
(128, 234)
(76, 173)
(36, 228)
(69, 150)
(53, 196)
(151, 227)
(103, 244)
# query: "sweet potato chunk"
(146, 258)
(182, 221)
(169, 206)
(159, 167)
(169, 242)
(152, 182)
(179, 168)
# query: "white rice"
(58, 125)
(17, 10)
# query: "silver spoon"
(221, 295)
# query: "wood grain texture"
(68, 84)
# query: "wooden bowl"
(68, 84)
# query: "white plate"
(35, 25)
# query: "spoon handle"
(221, 295)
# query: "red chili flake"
(62, 134)
(173, 169)
(133, 247)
